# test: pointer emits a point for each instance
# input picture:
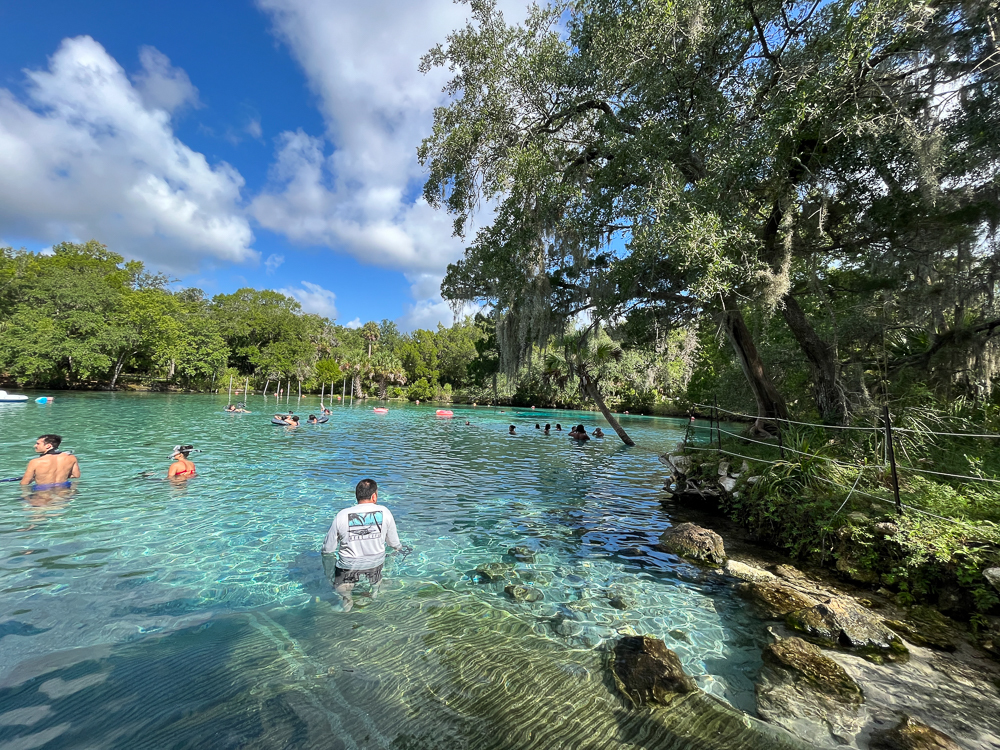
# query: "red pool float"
(380, 410)
(444, 413)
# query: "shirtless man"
(52, 468)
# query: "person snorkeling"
(182, 467)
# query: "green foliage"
(420, 390)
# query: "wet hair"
(52, 440)
(558, 426)
(537, 427)
(365, 489)
(580, 428)
(312, 416)
(548, 426)
(293, 417)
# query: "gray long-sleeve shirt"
(359, 534)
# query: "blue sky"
(233, 143)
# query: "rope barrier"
(791, 421)
(944, 434)
(945, 474)
(769, 445)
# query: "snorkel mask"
(183, 450)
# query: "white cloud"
(356, 323)
(425, 314)
(313, 298)
(353, 189)
(161, 85)
(272, 263)
(254, 129)
(88, 155)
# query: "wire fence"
(878, 444)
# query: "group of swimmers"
(575, 433)
(292, 420)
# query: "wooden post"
(229, 400)
(892, 458)
(266, 383)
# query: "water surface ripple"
(130, 587)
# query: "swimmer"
(292, 420)
(558, 427)
(312, 419)
(467, 421)
(53, 468)
(547, 429)
(598, 432)
(537, 427)
(579, 434)
(326, 412)
(181, 468)
(231, 407)
(510, 431)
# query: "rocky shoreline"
(848, 665)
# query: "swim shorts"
(53, 486)
(345, 575)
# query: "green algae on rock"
(523, 593)
(806, 660)
(646, 671)
(494, 571)
(842, 622)
(774, 599)
(912, 735)
(694, 543)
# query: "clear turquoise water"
(132, 597)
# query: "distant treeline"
(84, 317)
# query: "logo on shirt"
(364, 525)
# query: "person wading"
(355, 545)
(52, 468)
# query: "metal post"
(246, 388)
(267, 382)
(892, 458)
(229, 400)
(322, 388)
(781, 445)
(343, 391)
(300, 389)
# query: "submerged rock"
(804, 691)
(775, 599)
(522, 554)
(620, 598)
(494, 571)
(747, 572)
(694, 543)
(646, 671)
(541, 577)
(912, 735)
(808, 663)
(523, 593)
(842, 622)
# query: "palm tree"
(370, 332)
(385, 369)
(584, 362)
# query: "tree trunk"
(591, 389)
(824, 363)
(118, 369)
(770, 404)
(356, 385)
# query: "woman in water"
(598, 432)
(181, 468)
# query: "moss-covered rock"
(494, 571)
(693, 542)
(912, 735)
(927, 627)
(646, 671)
(775, 599)
(747, 572)
(523, 593)
(808, 663)
(845, 623)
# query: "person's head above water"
(511, 430)
(537, 427)
(46, 443)
(312, 417)
(548, 426)
(558, 426)
(182, 450)
(366, 491)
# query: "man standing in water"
(355, 545)
(52, 468)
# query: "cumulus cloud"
(356, 188)
(313, 298)
(356, 323)
(161, 85)
(272, 263)
(90, 154)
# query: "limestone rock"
(911, 735)
(680, 464)
(693, 542)
(522, 554)
(808, 663)
(804, 691)
(494, 571)
(727, 483)
(646, 671)
(541, 577)
(723, 468)
(993, 576)
(523, 593)
(790, 573)
(747, 572)
(927, 627)
(843, 622)
(886, 528)
(775, 599)
(620, 599)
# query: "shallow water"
(137, 610)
